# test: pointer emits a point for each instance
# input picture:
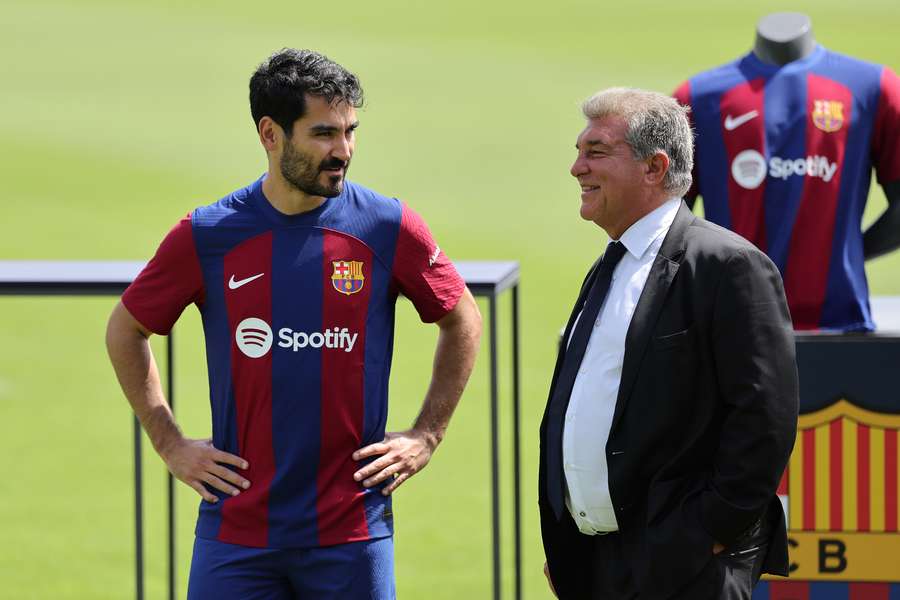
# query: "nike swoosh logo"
(732, 123)
(233, 285)
(434, 256)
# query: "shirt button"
(584, 371)
(583, 514)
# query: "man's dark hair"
(279, 84)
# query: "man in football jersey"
(787, 137)
(296, 277)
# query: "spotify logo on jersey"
(749, 169)
(253, 337)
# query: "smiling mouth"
(589, 188)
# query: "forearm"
(454, 357)
(131, 357)
(402, 454)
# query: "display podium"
(840, 490)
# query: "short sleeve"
(421, 270)
(168, 283)
(886, 135)
(683, 95)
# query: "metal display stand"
(489, 280)
(110, 278)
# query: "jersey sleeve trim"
(421, 270)
(171, 281)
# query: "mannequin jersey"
(298, 317)
(784, 156)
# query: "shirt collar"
(645, 230)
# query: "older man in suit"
(673, 406)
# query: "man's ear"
(271, 135)
(656, 169)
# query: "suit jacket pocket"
(675, 546)
(678, 339)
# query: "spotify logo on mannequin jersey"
(749, 168)
(253, 337)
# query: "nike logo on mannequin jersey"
(732, 123)
(235, 284)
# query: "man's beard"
(298, 170)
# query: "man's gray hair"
(654, 123)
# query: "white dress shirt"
(593, 400)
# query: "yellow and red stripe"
(844, 474)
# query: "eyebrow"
(324, 128)
(592, 143)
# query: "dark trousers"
(729, 575)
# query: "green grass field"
(119, 117)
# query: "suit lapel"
(663, 271)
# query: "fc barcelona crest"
(828, 115)
(841, 494)
(348, 276)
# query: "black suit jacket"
(706, 412)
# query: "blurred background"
(118, 117)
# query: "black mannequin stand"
(783, 37)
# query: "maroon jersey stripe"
(245, 517)
(788, 590)
(340, 500)
(859, 590)
(744, 131)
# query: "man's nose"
(343, 149)
(579, 167)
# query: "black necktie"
(559, 402)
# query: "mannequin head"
(783, 37)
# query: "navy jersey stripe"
(296, 390)
(711, 156)
(846, 304)
(218, 359)
(379, 349)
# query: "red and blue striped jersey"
(784, 157)
(298, 316)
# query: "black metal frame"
(490, 280)
(110, 278)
